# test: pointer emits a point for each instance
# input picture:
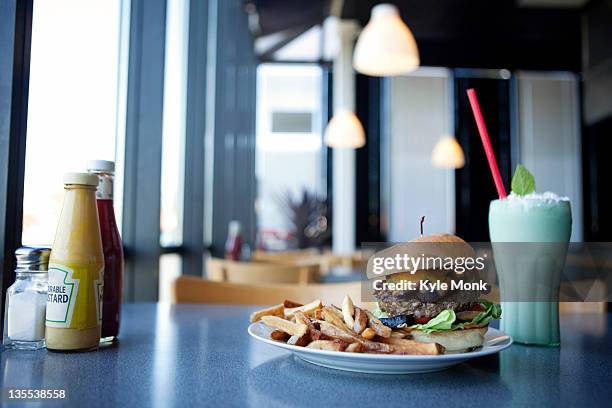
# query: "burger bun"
(454, 341)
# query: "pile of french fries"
(349, 329)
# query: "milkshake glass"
(529, 235)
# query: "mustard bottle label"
(74, 297)
(62, 292)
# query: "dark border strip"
(15, 47)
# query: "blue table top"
(201, 355)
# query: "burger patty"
(395, 303)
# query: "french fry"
(290, 303)
(293, 329)
(368, 334)
(279, 335)
(298, 340)
(313, 332)
(396, 341)
(337, 310)
(335, 332)
(301, 318)
(350, 329)
(354, 348)
(376, 325)
(403, 346)
(325, 345)
(361, 320)
(342, 343)
(277, 310)
(348, 310)
(307, 309)
(330, 315)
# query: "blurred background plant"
(308, 219)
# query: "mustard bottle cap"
(86, 179)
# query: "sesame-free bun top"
(425, 246)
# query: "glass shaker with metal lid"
(26, 300)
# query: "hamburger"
(440, 311)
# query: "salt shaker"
(26, 300)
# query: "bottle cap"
(32, 259)
(101, 165)
(86, 179)
(234, 227)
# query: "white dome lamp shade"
(386, 46)
(344, 131)
(447, 154)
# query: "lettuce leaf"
(493, 312)
(445, 320)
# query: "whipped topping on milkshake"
(546, 196)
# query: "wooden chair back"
(215, 269)
(303, 257)
(221, 270)
(290, 257)
(190, 289)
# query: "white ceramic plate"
(495, 341)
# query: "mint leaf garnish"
(523, 182)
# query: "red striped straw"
(484, 136)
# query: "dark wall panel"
(597, 143)
(368, 95)
(234, 124)
(474, 186)
(195, 131)
(143, 144)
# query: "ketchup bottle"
(233, 245)
(111, 246)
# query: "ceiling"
(487, 34)
(552, 3)
(526, 34)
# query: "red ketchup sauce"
(111, 247)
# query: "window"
(175, 89)
(173, 143)
(290, 156)
(73, 102)
(420, 113)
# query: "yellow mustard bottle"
(76, 270)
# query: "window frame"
(143, 149)
(15, 45)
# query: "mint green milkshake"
(529, 274)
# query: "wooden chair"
(190, 289)
(215, 269)
(289, 257)
(329, 260)
(221, 270)
(304, 257)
